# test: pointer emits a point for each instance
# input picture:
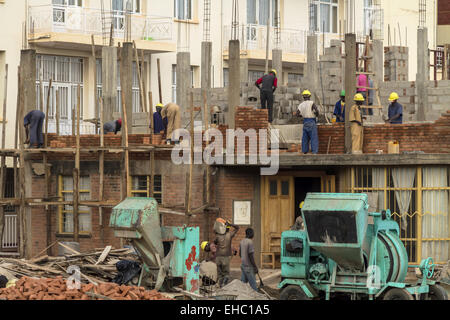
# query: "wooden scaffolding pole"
(191, 162)
(152, 153)
(94, 58)
(141, 87)
(206, 121)
(127, 182)
(57, 112)
(21, 131)
(101, 171)
(76, 172)
(159, 80)
(144, 85)
(3, 162)
(46, 171)
(16, 136)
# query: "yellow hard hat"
(301, 204)
(394, 96)
(160, 105)
(306, 93)
(359, 97)
(204, 244)
(274, 71)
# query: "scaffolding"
(207, 21)
(422, 13)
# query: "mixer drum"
(392, 258)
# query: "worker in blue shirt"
(395, 112)
(33, 123)
(339, 109)
(159, 123)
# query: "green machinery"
(170, 254)
(346, 252)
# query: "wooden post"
(21, 131)
(95, 81)
(41, 90)
(144, 85)
(191, 163)
(76, 172)
(159, 81)
(73, 122)
(3, 162)
(138, 69)
(150, 101)
(57, 112)
(46, 173)
(101, 170)
(350, 88)
(152, 153)
(16, 135)
(125, 142)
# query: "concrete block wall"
(396, 63)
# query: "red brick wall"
(426, 137)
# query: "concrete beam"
(234, 87)
(126, 82)
(109, 83)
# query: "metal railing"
(10, 232)
(56, 18)
(253, 37)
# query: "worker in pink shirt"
(363, 83)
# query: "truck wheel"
(293, 292)
(436, 293)
(398, 294)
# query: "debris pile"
(56, 289)
(241, 290)
(95, 267)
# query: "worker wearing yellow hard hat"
(309, 112)
(395, 111)
(356, 124)
(267, 85)
(210, 248)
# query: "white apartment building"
(60, 31)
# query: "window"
(294, 77)
(285, 188)
(274, 188)
(66, 211)
(140, 187)
(255, 75)
(183, 9)
(66, 74)
(72, 3)
(323, 16)
(259, 11)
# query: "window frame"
(62, 210)
(333, 25)
(135, 193)
(257, 15)
(188, 10)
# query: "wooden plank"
(46, 173)
(104, 255)
(68, 248)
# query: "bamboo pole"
(159, 80)
(57, 112)
(138, 69)
(76, 172)
(94, 58)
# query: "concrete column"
(350, 85)
(28, 76)
(183, 83)
(244, 70)
(109, 82)
(234, 87)
(312, 66)
(126, 82)
(277, 63)
(206, 65)
(378, 61)
(423, 74)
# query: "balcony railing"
(253, 37)
(66, 19)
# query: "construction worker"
(33, 123)
(395, 112)
(363, 84)
(248, 264)
(224, 253)
(267, 86)
(112, 126)
(339, 108)
(158, 122)
(299, 225)
(211, 249)
(357, 124)
(171, 114)
(309, 111)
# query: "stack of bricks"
(247, 118)
(56, 289)
(396, 63)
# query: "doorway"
(303, 186)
